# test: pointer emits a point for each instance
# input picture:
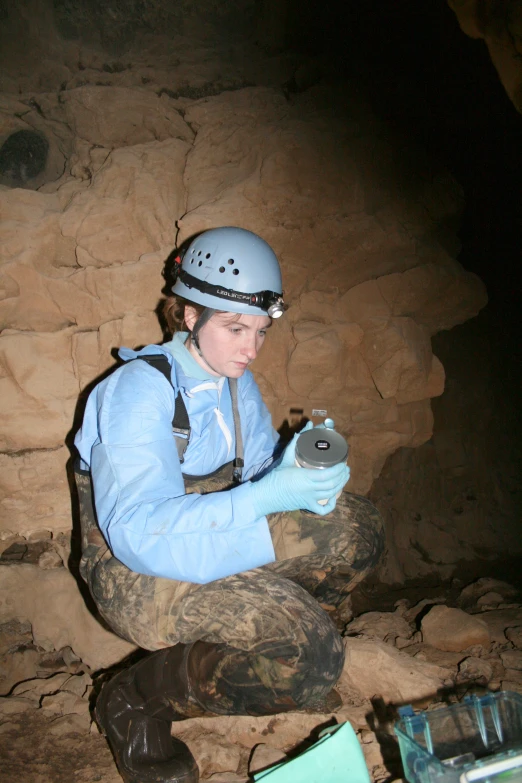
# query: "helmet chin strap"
(203, 319)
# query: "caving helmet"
(233, 270)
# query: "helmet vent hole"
(200, 263)
(208, 255)
(221, 268)
(235, 271)
(191, 260)
(199, 253)
(230, 261)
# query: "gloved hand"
(288, 488)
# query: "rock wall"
(500, 26)
(134, 168)
(452, 507)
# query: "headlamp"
(270, 301)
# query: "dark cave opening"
(427, 79)
(433, 85)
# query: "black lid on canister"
(321, 448)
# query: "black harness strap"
(239, 462)
(180, 420)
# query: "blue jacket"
(126, 439)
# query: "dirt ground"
(38, 747)
(36, 750)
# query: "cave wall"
(499, 24)
(165, 141)
(132, 171)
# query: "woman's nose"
(250, 349)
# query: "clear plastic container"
(479, 739)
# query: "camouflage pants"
(272, 614)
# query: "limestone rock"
(471, 594)
(433, 536)
(452, 629)
(398, 355)
(475, 670)
(489, 601)
(501, 33)
(77, 685)
(214, 754)
(264, 756)
(283, 732)
(315, 363)
(498, 620)
(15, 634)
(92, 349)
(50, 559)
(365, 304)
(128, 210)
(374, 668)
(386, 626)
(514, 634)
(73, 723)
(511, 685)
(13, 705)
(412, 612)
(428, 293)
(64, 703)
(373, 756)
(122, 117)
(52, 603)
(38, 387)
(512, 659)
(425, 652)
(16, 666)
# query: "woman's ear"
(190, 317)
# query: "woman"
(198, 549)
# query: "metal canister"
(321, 448)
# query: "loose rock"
(515, 636)
(264, 756)
(475, 670)
(470, 595)
(386, 626)
(374, 668)
(512, 659)
(452, 629)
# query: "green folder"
(336, 757)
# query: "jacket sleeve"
(149, 522)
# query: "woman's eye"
(262, 333)
(236, 330)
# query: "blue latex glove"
(288, 488)
(327, 424)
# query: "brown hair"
(174, 312)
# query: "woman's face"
(229, 342)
